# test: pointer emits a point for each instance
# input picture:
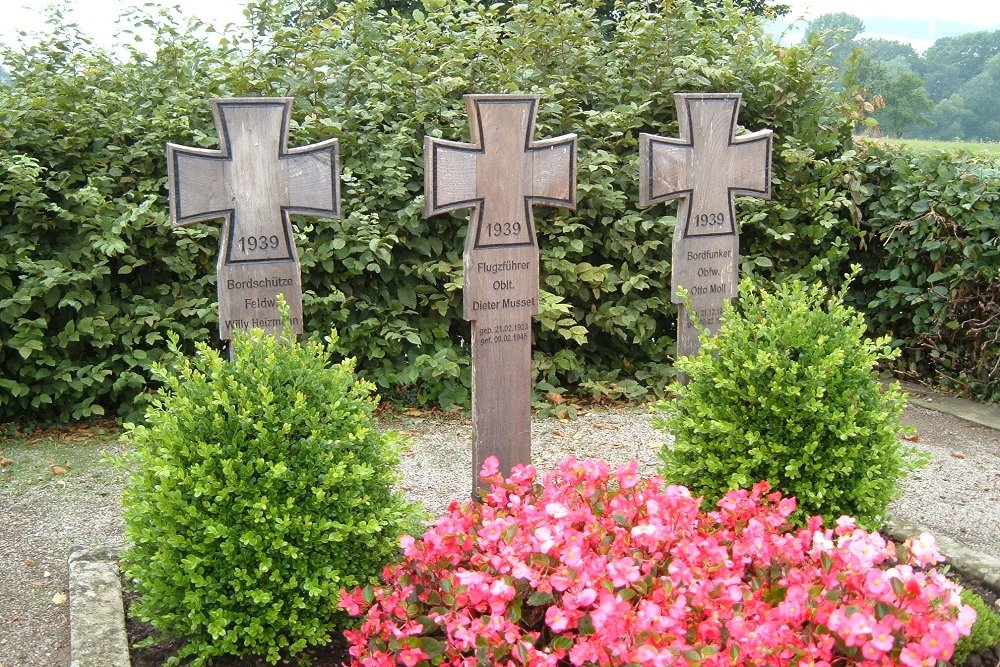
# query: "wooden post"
(254, 183)
(500, 175)
(706, 168)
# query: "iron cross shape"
(500, 176)
(254, 183)
(501, 173)
(707, 167)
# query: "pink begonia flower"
(556, 510)
(586, 652)
(846, 523)
(623, 572)
(924, 550)
(351, 602)
(911, 657)
(877, 583)
(628, 475)
(501, 593)
(650, 655)
(934, 642)
(966, 619)
(654, 576)
(491, 466)
(572, 555)
(562, 581)
(557, 618)
(580, 600)
(411, 656)
(521, 474)
(546, 538)
(882, 638)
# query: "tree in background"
(951, 61)
(948, 120)
(890, 51)
(902, 102)
(949, 92)
(906, 104)
(979, 95)
(835, 33)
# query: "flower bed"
(604, 568)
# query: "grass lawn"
(983, 148)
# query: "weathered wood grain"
(706, 168)
(500, 175)
(254, 183)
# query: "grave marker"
(254, 183)
(706, 168)
(500, 175)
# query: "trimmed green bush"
(985, 631)
(261, 488)
(788, 392)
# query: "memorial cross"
(706, 169)
(500, 175)
(254, 183)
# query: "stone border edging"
(97, 613)
(967, 562)
(97, 635)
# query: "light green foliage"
(985, 631)
(261, 488)
(787, 392)
(95, 277)
(932, 263)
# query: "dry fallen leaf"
(555, 398)
(912, 438)
(413, 412)
(59, 598)
(4, 461)
(58, 470)
(958, 455)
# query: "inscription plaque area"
(706, 168)
(254, 183)
(500, 175)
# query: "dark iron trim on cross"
(500, 175)
(684, 148)
(436, 147)
(176, 153)
(254, 183)
(706, 169)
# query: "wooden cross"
(706, 169)
(254, 183)
(500, 175)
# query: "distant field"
(991, 149)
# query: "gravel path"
(958, 494)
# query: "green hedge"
(932, 263)
(92, 277)
(95, 276)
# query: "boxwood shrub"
(261, 488)
(788, 392)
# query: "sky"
(98, 18)
(916, 21)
